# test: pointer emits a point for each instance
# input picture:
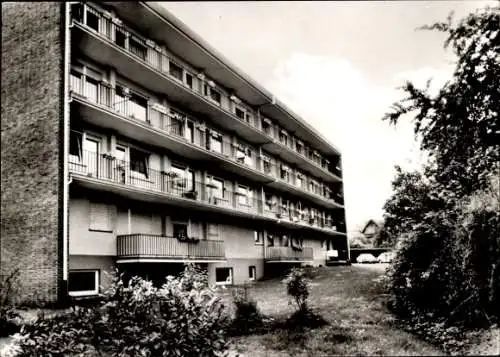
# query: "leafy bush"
(247, 317)
(8, 315)
(297, 286)
(448, 266)
(182, 318)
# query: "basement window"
(224, 276)
(83, 282)
(252, 272)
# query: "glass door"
(91, 156)
(120, 164)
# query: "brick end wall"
(31, 170)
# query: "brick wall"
(31, 179)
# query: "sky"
(338, 65)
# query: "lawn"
(350, 298)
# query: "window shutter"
(100, 217)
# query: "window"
(314, 187)
(258, 237)
(120, 38)
(138, 107)
(215, 141)
(184, 178)
(77, 12)
(244, 196)
(189, 80)
(83, 282)
(270, 240)
(240, 113)
(180, 230)
(252, 272)
(175, 71)
(267, 126)
(212, 93)
(137, 48)
(285, 173)
(190, 131)
(284, 207)
(92, 19)
(75, 146)
(299, 147)
(266, 163)
(217, 188)
(223, 276)
(240, 153)
(212, 230)
(91, 87)
(283, 137)
(91, 155)
(76, 81)
(176, 125)
(299, 180)
(268, 202)
(139, 163)
(100, 217)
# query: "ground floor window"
(252, 272)
(223, 276)
(83, 282)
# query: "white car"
(366, 258)
(385, 257)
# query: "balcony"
(146, 247)
(289, 154)
(135, 180)
(101, 105)
(145, 63)
(288, 254)
(152, 123)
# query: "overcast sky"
(338, 65)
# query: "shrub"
(448, 266)
(182, 318)
(8, 315)
(297, 286)
(247, 317)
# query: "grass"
(351, 299)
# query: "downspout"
(66, 138)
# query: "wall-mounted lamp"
(211, 84)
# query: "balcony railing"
(288, 254)
(159, 246)
(137, 174)
(146, 51)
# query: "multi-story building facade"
(129, 143)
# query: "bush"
(297, 286)
(182, 318)
(8, 315)
(449, 266)
(247, 317)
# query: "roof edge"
(204, 45)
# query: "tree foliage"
(459, 126)
(447, 217)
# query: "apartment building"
(129, 143)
